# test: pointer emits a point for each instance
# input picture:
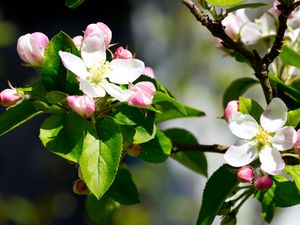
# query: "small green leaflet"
(290, 57)
(251, 107)
(72, 4)
(293, 118)
(244, 6)
(294, 171)
(224, 2)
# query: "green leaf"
(137, 125)
(100, 157)
(54, 97)
(123, 190)
(101, 212)
(237, 88)
(249, 106)
(218, 187)
(293, 118)
(17, 115)
(294, 171)
(224, 2)
(267, 212)
(193, 160)
(72, 4)
(290, 57)
(244, 6)
(170, 108)
(54, 74)
(63, 134)
(157, 149)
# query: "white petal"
(250, 33)
(241, 153)
(274, 116)
(74, 64)
(125, 70)
(243, 125)
(116, 92)
(267, 24)
(271, 161)
(284, 138)
(93, 49)
(91, 90)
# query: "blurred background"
(36, 186)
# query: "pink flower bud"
(10, 97)
(31, 48)
(101, 28)
(263, 183)
(141, 94)
(122, 53)
(82, 105)
(245, 174)
(78, 41)
(297, 144)
(231, 108)
(148, 71)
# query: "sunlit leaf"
(72, 4)
(224, 2)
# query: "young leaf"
(17, 115)
(290, 57)
(249, 106)
(170, 108)
(294, 171)
(218, 187)
(54, 74)
(123, 189)
(267, 212)
(237, 88)
(72, 4)
(293, 118)
(100, 157)
(224, 2)
(157, 149)
(195, 161)
(63, 135)
(102, 211)
(286, 194)
(244, 6)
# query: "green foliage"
(224, 2)
(63, 134)
(123, 190)
(17, 115)
(102, 211)
(290, 57)
(169, 108)
(72, 4)
(249, 106)
(294, 171)
(218, 187)
(54, 74)
(293, 118)
(244, 6)
(156, 150)
(237, 88)
(100, 157)
(194, 160)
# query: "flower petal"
(243, 125)
(125, 70)
(93, 50)
(241, 153)
(284, 138)
(274, 116)
(91, 90)
(271, 161)
(116, 92)
(74, 64)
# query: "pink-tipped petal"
(231, 108)
(122, 53)
(82, 105)
(116, 92)
(149, 72)
(142, 94)
(78, 41)
(100, 28)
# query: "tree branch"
(198, 148)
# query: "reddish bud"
(263, 183)
(122, 53)
(245, 174)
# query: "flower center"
(262, 137)
(97, 72)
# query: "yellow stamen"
(262, 137)
(97, 72)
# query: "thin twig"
(198, 148)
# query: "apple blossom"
(31, 48)
(141, 94)
(10, 97)
(264, 141)
(148, 71)
(78, 41)
(122, 53)
(231, 108)
(94, 72)
(82, 105)
(101, 29)
(263, 183)
(245, 174)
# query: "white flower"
(264, 141)
(94, 72)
